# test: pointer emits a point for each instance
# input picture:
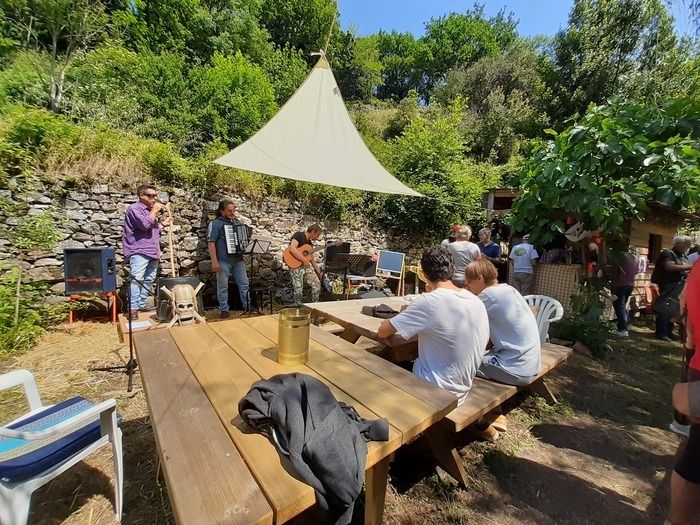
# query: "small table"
(348, 314)
(218, 470)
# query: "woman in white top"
(463, 252)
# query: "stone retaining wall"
(93, 217)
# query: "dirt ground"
(602, 455)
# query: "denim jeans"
(143, 273)
(237, 269)
(620, 305)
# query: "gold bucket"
(293, 336)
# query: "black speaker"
(331, 252)
(89, 270)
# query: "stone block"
(48, 261)
(99, 217)
(44, 273)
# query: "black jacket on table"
(324, 440)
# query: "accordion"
(237, 237)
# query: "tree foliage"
(604, 169)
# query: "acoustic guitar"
(307, 252)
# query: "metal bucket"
(293, 336)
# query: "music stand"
(256, 246)
(350, 261)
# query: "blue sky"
(536, 17)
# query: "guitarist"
(309, 269)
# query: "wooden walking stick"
(170, 239)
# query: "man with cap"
(524, 257)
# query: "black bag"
(668, 304)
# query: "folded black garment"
(382, 311)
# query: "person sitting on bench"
(451, 325)
(515, 356)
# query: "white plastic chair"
(47, 441)
(547, 310)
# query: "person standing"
(524, 258)
(141, 242)
(489, 249)
(463, 252)
(685, 478)
(309, 270)
(223, 263)
(623, 285)
(669, 274)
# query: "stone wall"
(93, 217)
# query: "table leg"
(349, 335)
(442, 445)
(375, 491)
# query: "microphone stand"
(131, 365)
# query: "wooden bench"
(483, 397)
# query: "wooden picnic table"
(348, 314)
(218, 470)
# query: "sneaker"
(674, 337)
(147, 309)
(677, 428)
(489, 433)
(620, 333)
(133, 315)
(225, 315)
(664, 338)
(500, 423)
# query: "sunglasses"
(151, 195)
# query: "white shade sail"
(313, 139)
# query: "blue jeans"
(237, 269)
(143, 273)
(620, 305)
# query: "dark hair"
(144, 188)
(222, 206)
(314, 228)
(452, 237)
(436, 264)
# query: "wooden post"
(170, 239)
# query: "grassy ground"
(601, 456)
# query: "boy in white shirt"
(451, 324)
(515, 356)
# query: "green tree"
(62, 29)
(302, 24)
(604, 169)
(233, 99)
(612, 47)
(400, 55)
(356, 65)
(458, 40)
(505, 96)
(430, 157)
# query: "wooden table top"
(194, 377)
(348, 314)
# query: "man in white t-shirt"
(524, 258)
(451, 325)
(515, 356)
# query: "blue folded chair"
(47, 441)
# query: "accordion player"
(237, 237)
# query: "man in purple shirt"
(142, 245)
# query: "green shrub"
(35, 314)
